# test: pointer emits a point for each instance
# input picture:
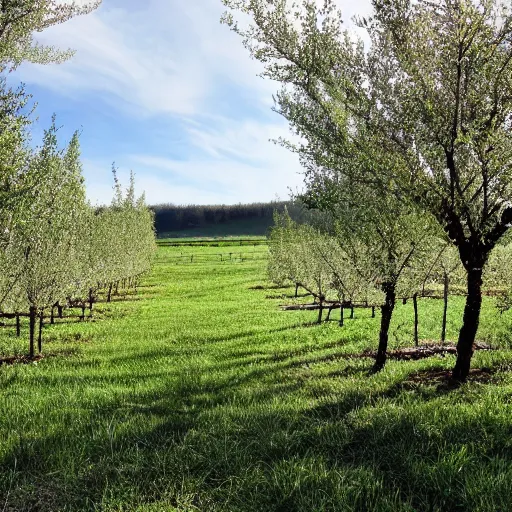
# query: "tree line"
(170, 217)
(342, 270)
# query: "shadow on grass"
(261, 441)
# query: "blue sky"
(162, 88)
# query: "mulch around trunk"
(443, 378)
(424, 351)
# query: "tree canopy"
(19, 19)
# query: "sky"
(160, 87)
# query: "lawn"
(199, 394)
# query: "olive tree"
(432, 91)
(382, 237)
(293, 257)
(48, 234)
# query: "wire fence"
(226, 257)
(254, 242)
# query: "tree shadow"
(262, 439)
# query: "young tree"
(49, 235)
(14, 162)
(382, 238)
(433, 91)
(293, 257)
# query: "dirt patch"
(20, 359)
(268, 287)
(424, 351)
(443, 378)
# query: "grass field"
(199, 394)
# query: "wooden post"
(32, 324)
(415, 304)
(40, 337)
(445, 306)
(373, 311)
(91, 300)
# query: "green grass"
(203, 395)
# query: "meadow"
(199, 394)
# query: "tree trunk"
(82, 318)
(320, 312)
(387, 312)
(445, 307)
(328, 314)
(296, 289)
(109, 296)
(18, 325)
(52, 315)
(415, 304)
(32, 324)
(60, 309)
(469, 324)
(40, 337)
(341, 316)
(351, 311)
(373, 311)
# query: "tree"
(48, 237)
(293, 258)
(382, 237)
(19, 19)
(433, 91)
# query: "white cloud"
(173, 60)
(157, 58)
(236, 157)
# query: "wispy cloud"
(169, 64)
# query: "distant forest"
(205, 220)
